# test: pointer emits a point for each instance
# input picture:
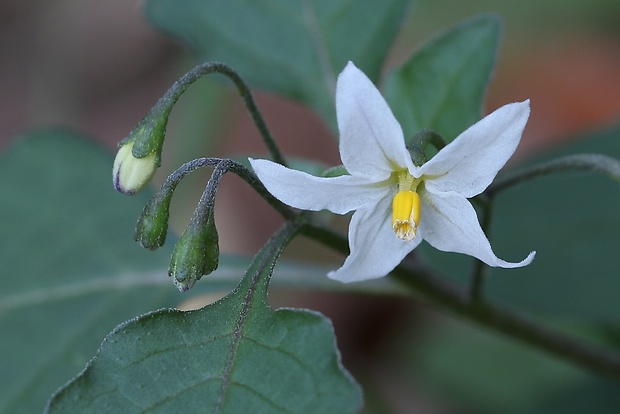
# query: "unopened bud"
(131, 174)
(196, 254)
(152, 225)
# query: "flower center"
(406, 207)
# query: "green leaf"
(70, 269)
(234, 356)
(292, 47)
(571, 219)
(596, 395)
(442, 86)
(485, 373)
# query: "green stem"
(481, 270)
(435, 290)
(180, 86)
(224, 165)
(419, 142)
(206, 204)
(587, 162)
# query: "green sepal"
(148, 136)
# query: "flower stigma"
(406, 207)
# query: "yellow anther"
(406, 214)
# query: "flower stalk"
(420, 142)
(151, 130)
(584, 162)
(481, 270)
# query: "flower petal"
(470, 163)
(449, 223)
(307, 192)
(375, 249)
(371, 140)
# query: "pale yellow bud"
(130, 174)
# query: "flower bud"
(152, 225)
(131, 174)
(195, 254)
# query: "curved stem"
(419, 143)
(588, 162)
(181, 85)
(206, 204)
(250, 178)
(434, 289)
(224, 165)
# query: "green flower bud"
(152, 225)
(131, 174)
(195, 254)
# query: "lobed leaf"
(234, 356)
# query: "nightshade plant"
(419, 163)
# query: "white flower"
(398, 204)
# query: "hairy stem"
(586, 162)
(420, 141)
(181, 85)
(481, 269)
(224, 165)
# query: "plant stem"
(481, 270)
(420, 141)
(434, 289)
(587, 162)
(181, 85)
(229, 165)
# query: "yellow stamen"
(406, 214)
